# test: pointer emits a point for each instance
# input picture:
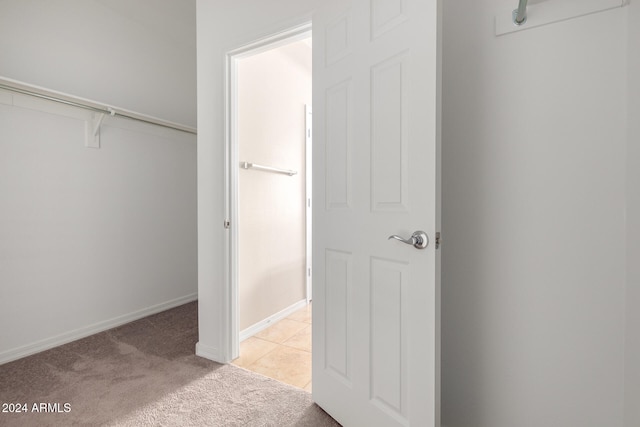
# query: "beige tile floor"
(282, 351)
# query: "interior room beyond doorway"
(271, 99)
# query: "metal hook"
(520, 14)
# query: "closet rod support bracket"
(92, 129)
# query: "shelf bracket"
(92, 129)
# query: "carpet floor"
(146, 373)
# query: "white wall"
(90, 238)
(273, 88)
(138, 55)
(223, 26)
(632, 374)
(534, 140)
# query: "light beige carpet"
(145, 374)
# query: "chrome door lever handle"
(418, 239)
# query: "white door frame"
(308, 113)
(232, 166)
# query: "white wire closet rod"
(74, 101)
(247, 165)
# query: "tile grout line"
(268, 352)
(307, 323)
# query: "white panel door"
(375, 174)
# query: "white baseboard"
(208, 352)
(67, 337)
(264, 324)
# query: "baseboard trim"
(58, 340)
(208, 352)
(264, 324)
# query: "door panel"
(338, 145)
(376, 302)
(337, 302)
(389, 154)
(389, 335)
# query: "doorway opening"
(269, 205)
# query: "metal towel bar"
(247, 165)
